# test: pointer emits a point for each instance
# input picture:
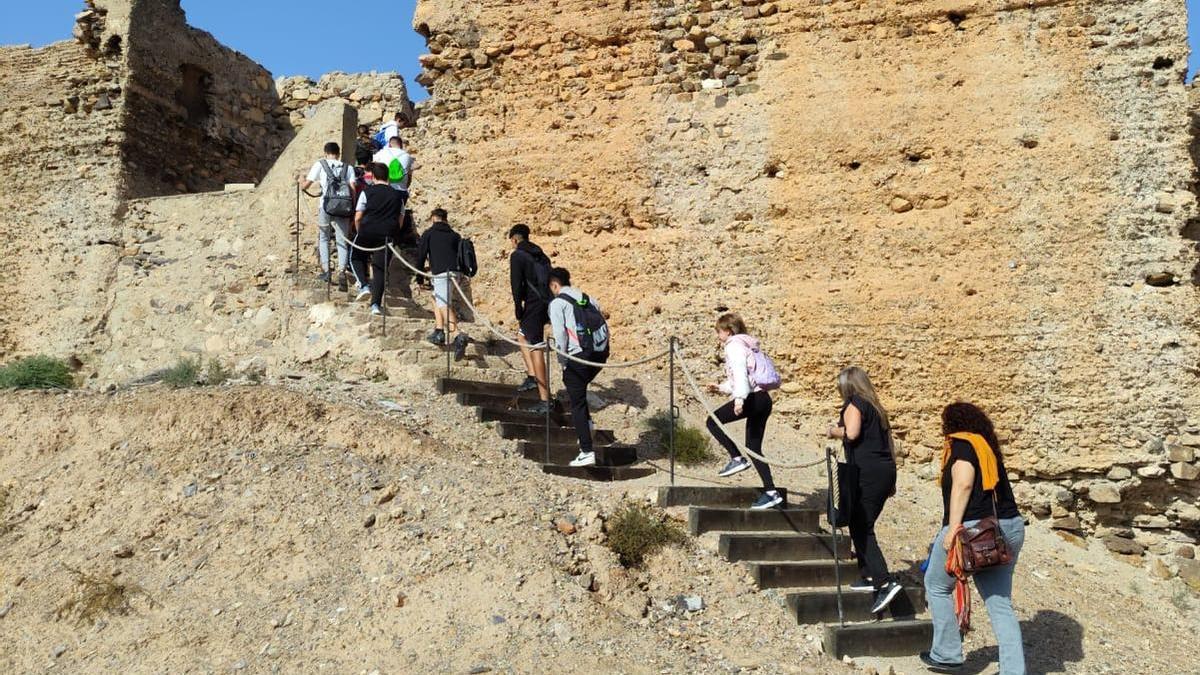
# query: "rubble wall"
(973, 200)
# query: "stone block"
(1185, 471)
(1104, 492)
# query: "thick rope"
(712, 415)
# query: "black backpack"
(468, 264)
(590, 326)
(339, 196)
(541, 278)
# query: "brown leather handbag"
(983, 545)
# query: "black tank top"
(872, 446)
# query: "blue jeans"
(995, 585)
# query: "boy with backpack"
(529, 276)
(581, 331)
(335, 210)
(440, 246)
(399, 164)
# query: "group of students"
(973, 479)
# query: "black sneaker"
(342, 285)
(862, 585)
(460, 346)
(735, 465)
(529, 384)
(939, 666)
(437, 337)
(541, 408)
(324, 277)
(768, 500)
(885, 595)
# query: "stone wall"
(377, 96)
(973, 200)
(198, 115)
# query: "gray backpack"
(339, 196)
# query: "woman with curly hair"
(974, 486)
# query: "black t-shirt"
(979, 506)
(872, 446)
(382, 211)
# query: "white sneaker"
(376, 310)
(363, 291)
(584, 459)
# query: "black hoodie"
(522, 265)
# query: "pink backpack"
(761, 369)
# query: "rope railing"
(674, 349)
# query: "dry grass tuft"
(98, 596)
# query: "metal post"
(549, 396)
(837, 563)
(296, 228)
(449, 303)
(674, 412)
(387, 260)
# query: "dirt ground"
(307, 527)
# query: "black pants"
(876, 482)
(576, 378)
(755, 411)
(379, 260)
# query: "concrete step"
(509, 401)
(728, 497)
(529, 432)
(467, 371)
(599, 473)
(437, 358)
(819, 605)
(487, 388)
(557, 419)
(703, 519)
(881, 638)
(611, 455)
(781, 547)
(801, 574)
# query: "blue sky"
(255, 27)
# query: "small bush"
(186, 373)
(691, 444)
(217, 373)
(36, 372)
(637, 531)
(97, 596)
(1182, 598)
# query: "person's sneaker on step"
(584, 459)
(542, 408)
(376, 310)
(363, 292)
(529, 384)
(437, 337)
(885, 595)
(735, 465)
(768, 500)
(460, 346)
(938, 666)
(862, 585)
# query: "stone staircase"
(786, 550)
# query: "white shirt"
(317, 173)
(385, 157)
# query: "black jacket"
(384, 209)
(522, 274)
(439, 246)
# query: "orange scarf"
(983, 452)
(962, 592)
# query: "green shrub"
(185, 373)
(637, 531)
(217, 373)
(691, 444)
(36, 372)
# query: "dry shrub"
(691, 444)
(36, 372)
(637, 531)
(98, 596)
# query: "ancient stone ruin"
(981, 200)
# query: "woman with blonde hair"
(866, 437)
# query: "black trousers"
(755, 411)
(576, 378)
(876, 482)
(378, 260)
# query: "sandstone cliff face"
(971, 199)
